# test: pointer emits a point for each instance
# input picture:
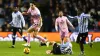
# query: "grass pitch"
(36, 50)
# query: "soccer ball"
(26, 50)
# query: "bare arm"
(40, 24)
(69, 23)
(56, 24)
(25, 13)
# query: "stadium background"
(49, 10)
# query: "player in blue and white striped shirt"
(83, 29)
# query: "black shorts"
(15, 30)
(82, 37)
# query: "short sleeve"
(56, 21)
(29, 10)
(38, 12)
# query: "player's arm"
(28, 11)
(69, 23)
(56, 25)
(22, 20)
(90, 17)
(40, 24)
(39, 15)
(11, 23)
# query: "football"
(26, 50)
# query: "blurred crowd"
(49, 10)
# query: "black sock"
(81, 47)
(13, 42)
(25, 39)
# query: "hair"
(33, 2)
(60, 10)
(86, 10)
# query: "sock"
(81, 47)
(41, 38)
(28, 41)
(89, 38)
(13, 41)
(25, 39)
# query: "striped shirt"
(17, 20)
(65, 47)
(83, 22)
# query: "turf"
(36, 50)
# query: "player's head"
(60, 13)
(79, 11)
(32, 5)
(15, 8)
(86, 10)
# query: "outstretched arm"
(69, 23)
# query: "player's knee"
(34, 35)
(30, 30)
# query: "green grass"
(40, 51)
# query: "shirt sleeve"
(69, 23)
(29, 10)
(38, 12)
(56, 22)
(12, 18)
(22, 19)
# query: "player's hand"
(48, 52)
(24, 13)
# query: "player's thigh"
(36, 31)
(14, 30)
(20, 30)
(84, 37)
(79, 37)
(30, 30)
(64, 34)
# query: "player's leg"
(41, 39)
(35, 34)
(82, 40)
(21, 33)
(62, 40)
(78, 38)
(28, 34)
(62, 35)
(90, 41)
(14, 37)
